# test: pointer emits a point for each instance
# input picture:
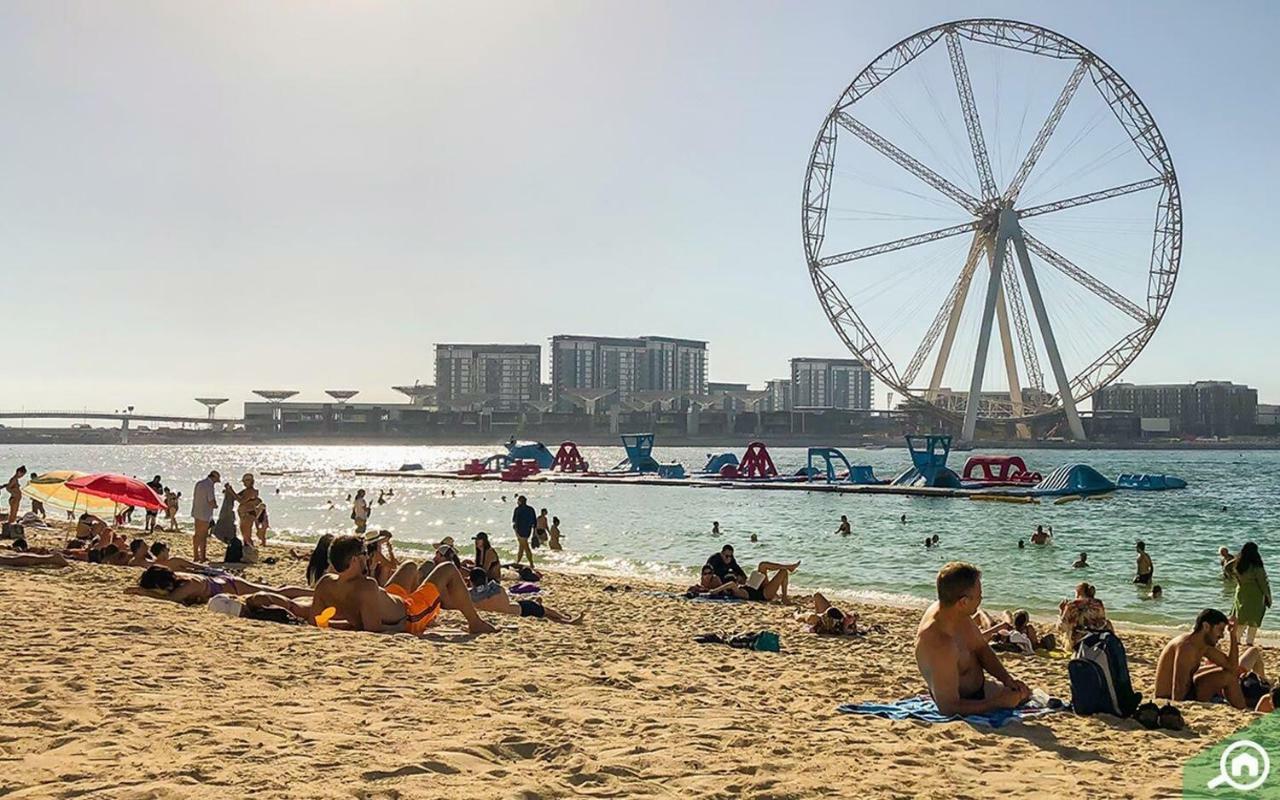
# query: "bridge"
(124, 418)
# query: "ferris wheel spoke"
(907, 162)
(1066, 267)
(899, 244)
(1092, 197)
(955, 298)
(971, 121)
(1046, 131)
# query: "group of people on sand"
(722, 577)
(233, 522)
(965, 675)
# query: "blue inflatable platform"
(1149, 483)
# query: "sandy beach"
(109, 695)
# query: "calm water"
(666, 532)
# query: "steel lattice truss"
(996, 235)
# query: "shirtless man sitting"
(408, 603)
(952, 655)
(1191, 667)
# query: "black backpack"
(1100, 677)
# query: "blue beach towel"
(922, 708)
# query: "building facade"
(778, 395)
(596, 363)
(502, 377)
(675, 365)
(1203, 408)
(1268, 418)
(843, 383)
(624, 366)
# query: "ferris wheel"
(994, 149)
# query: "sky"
(206, 198)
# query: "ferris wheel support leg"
(1046, 333)
(972, 401)
(980, 243)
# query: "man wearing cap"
(523, 520)
(204, 502)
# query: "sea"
(665, 533)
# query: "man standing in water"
(1145, 567)
(523, 520)
(952, 654)
(204, 502)
(844, 529)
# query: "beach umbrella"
(51, 489)
(118, 489)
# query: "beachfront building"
(841, 383)
(614, 368)
(501, 377)
(1203, 408)
(611, 364)
(675, 365)
(1268, 418)
(777, 395)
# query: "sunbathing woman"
(32, 560)
(189, 589)
(763, 589)
(828, 620)
(710, 585)
(489, 595)
(161, 557)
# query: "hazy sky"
(211, 197)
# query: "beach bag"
(1099, 675)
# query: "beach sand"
(108, 695)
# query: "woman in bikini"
(15, 493)
(487, 558)
(189, 589)
(249, 506)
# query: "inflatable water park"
(997, 478)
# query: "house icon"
(1245, 765)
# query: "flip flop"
(1148, 715)
(1171, 719)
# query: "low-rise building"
(1203, 408)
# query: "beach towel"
(701, 598)
(922, 708)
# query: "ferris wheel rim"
(1165, 255)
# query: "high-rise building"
(843, 383)
(626, 365)
(503, 377)
(596, 362)
(778, 395)
(1203, 408)
(676, 365)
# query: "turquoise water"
(665, 532)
